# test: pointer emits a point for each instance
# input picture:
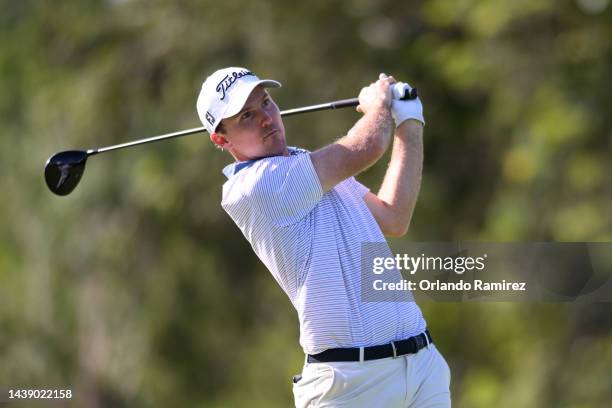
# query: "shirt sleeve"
(355, 187)
(283, 189)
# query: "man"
(306, 218)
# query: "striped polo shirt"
(311, 243)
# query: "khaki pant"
(419, 380)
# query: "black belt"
(394, 349)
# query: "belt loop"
(427, 340)
(361, 355)
(394, 349)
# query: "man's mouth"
(270, 133)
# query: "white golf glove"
(402, 110)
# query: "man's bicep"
(329, 165)
(340, 160)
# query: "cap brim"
(241, 97)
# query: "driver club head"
(63, 171)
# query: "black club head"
(63, 171)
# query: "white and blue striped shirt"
(311, 243)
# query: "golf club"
(64, 170)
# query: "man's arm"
(364, 144)
(394, 204)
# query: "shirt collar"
(232, 169)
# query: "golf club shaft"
(91, 152)
(343, 103)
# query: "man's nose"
(266, 119)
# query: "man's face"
(256, 131)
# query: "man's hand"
(377, 95)
(407, 109)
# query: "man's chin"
(279, 148)
(281, 151)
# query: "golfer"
(306, 218)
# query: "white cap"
(224, 94)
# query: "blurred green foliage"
(137, 290)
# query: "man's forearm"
(364, 144)
(371, 133)
(402, 180)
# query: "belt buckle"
(419, 342)
(394, 349)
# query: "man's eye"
(245, 115)
(266, 102)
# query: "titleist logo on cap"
(229, 80)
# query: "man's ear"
(219, 140)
